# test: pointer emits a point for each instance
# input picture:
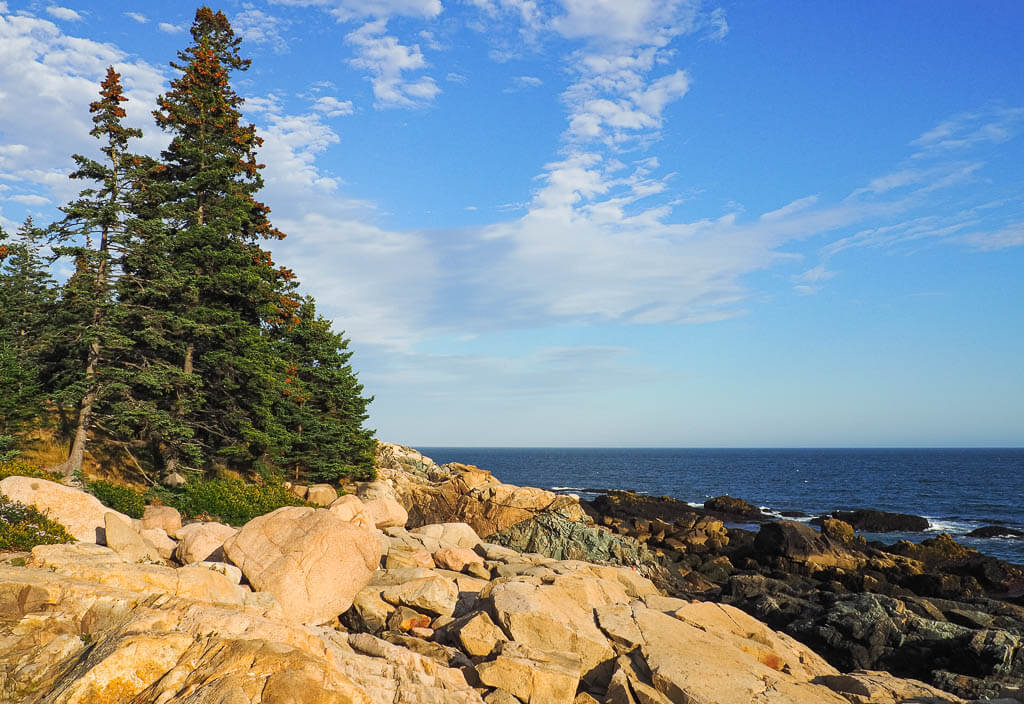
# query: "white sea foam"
(938, 525)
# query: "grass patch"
(23, 527)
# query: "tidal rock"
(81, 513)
(733, 507)
(995, 532)
(801, 544)
(871, 521)
(309, 559)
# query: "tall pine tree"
(202, 286)
(26, 309)
(96, 231)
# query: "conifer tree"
(26, 307)
(322, 403)
(95, 231)
(202, 286)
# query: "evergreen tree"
(95, 231)
(322, 403)
(201, 287)
(26, 307)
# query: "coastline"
(440, 583)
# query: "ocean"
(957, 490)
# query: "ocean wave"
(951, 526)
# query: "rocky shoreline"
(441, 584)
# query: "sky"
(753, 223)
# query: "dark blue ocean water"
(956, 489)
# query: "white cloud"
(718, 27)
(63, 13)
(258, 27)
(169, 28)
(1010, 236)
(29, 199)
(48, 79)
(523, 83)
(345, 10)
(455, 78)
(648, 22)
(970, 130)
(137, 16)
(795, 207)
(386, 60)
(332, 107)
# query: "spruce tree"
(96, 231)
(322, 404)
(202, 286)
(26, 309)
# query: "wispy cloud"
(330, 106)
(969, 130)
(29, 199)
(169, 28)
(63, 13)
(386, 59)
(258, 27)
(1010, 236)
(345, 10)
(523, 83)
(137, 16)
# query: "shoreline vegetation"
(444, 584)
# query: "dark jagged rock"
(995, 532)
(871, 521)
(733, 507)
(631, 505)
(799, 544)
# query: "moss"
(231, 500)
(23, 527)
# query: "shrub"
(231, 500)
(23, 527)
(20, 468)
(118, 497)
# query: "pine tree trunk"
(73, 464)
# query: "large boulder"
(122, 539)
(166, 518)
(800, 544)
(553, 619)
(313, 562)
(81, 513)
(202, 541)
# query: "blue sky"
(608, 223)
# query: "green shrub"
(233, 501)
(23, 527)
(20, 468)
(118, 497)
